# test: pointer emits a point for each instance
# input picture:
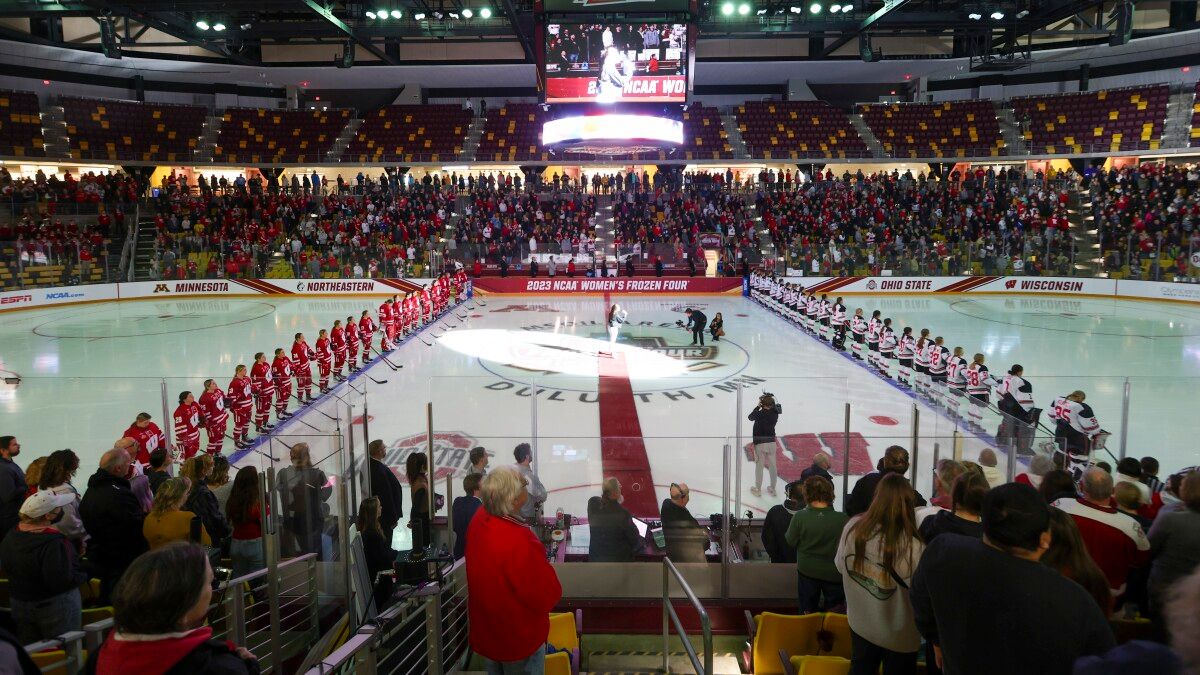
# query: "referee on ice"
(696, 321)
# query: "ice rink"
(649, 409)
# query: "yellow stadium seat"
(835, 636)
(818, 665)
(772, 633)
(558, 664)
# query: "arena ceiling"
(1000, 34)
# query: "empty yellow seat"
(819, 665)
(795, 635)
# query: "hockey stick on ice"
(385, 359)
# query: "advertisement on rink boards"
(587, 285)
(972, 284)
(1158, 290)
(277, 287)
(42, 297)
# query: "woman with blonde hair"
(877, 557)
(201, 499)
(168, 521)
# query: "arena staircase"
(474, 133)
(1089, 258)
(605, 227)
(1178, 125)
(1010, 130)
(207, 144)
(143, 249)
(54, 132)
(766, 245)
(866, 134)
(734, 134)
(343, 140)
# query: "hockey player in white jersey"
(873, 326)
(905, 346)
(956, 381)
(887, 348)
(979, 390)
(1020, 415)
(1076, 430)
(858, 331)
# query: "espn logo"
(15, 299)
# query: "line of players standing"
(252, 391)
(935, 372)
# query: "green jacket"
(815, 532)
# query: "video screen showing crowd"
(286, 377)
(943, 376)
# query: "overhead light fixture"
(485, 13)
(202, 24)
(815, 8)
(467, 13)
(1022, 14)
(743, 9)
(795, 10)
(454, 15)
(761, 12)
(396, 14)
(997, 15)
(381, 14)
(727, 9)
(218, 26)
(419, 16)
(370, 15)
(245, 26)
(974, 16)
(437, 15)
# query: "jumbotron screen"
(607, 63)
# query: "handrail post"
(73, 648)
(1126, 390)
(666, 598)
(846, 458)
(725, 523)
(916, 426)
(237, 614)
(433, 632)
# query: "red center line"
(622, 448)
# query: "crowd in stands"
(987, 222)
(668, 223)
(1148, 218)
(507, 227)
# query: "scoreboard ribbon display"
(639, 87)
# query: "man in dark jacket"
(775, 526)
(765, 416)
(113, 519)
(12, 484)
(386, 487)
(614, 536)
(686, 539)
(895, 460)
(820, 467)
(696, 322)
(43, 570)
(463, 510)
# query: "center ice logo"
(451, 453)
(570, 372)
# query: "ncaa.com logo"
(63, 295)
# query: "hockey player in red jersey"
(147, 436)
(426, 305)
(187, 426)
(216, 417)
(366, 328)
(338, 339)
(324, 359)
(264, 389)
(281, 370)
(411, 309)
(241, 399)
(301, 353)
(351, 344)
(386, 327)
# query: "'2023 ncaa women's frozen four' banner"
(586, 285)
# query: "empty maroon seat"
(411, 133)
(258, 135)
(945, 129)
(1094, 121)
(132, 130)
(797, 129)
(20, 124)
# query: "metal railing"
(669, 612)
(427, 631)
(273, 627)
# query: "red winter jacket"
(513, 588)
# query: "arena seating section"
(20, 124)
(259, 135)
(1195, 134)
(1095, 121)
(946, 129)
(797, 129)
(410, 133)
(512, 133)
(703, 135)
(129, 130)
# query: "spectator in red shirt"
(1116, 541)
(512, 586)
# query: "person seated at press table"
(614, 537)
(463, 510)
(775, 525)
(686, 539)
